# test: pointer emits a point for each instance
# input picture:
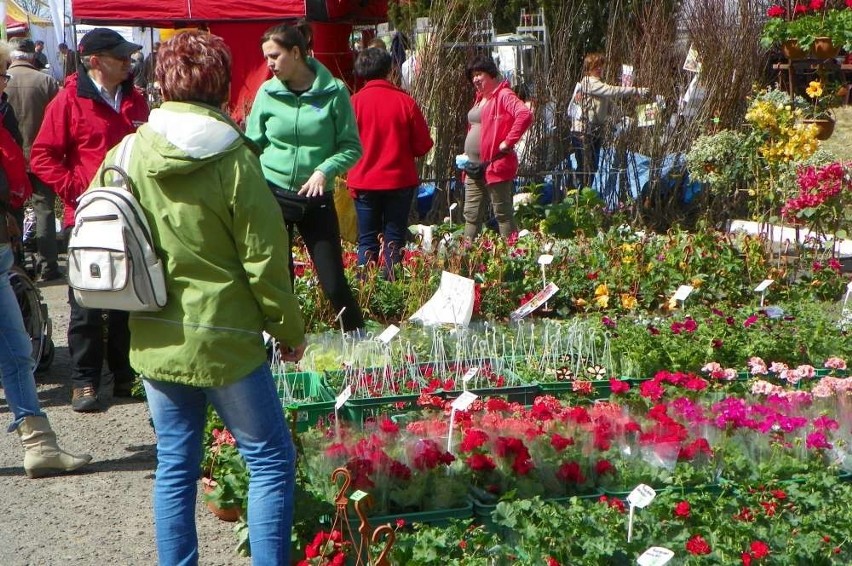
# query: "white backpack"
(111, 259)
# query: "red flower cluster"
(613, 503)
(759, 549)
(515, 449)
(697, 545)
(329, 548)
(818, 186)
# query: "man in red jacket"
(95, 110)
(383, 182)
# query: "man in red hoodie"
(97, 108)
(383, 182)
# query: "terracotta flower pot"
(229, 514)
(825, 127)
(791, 50)
(823, 48)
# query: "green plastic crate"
(318, 400)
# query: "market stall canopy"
(170, 13)
(18, 20)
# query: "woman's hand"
(504, 147)
(315, 186)
(289, 354)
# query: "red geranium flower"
(697, 545)
(618, 387)
(604, 467)
(560, 442)
(481, 463)
(746, 558)
(570, 472)
(473, 439)
(682, 509)
(775, 12)
(759, 549)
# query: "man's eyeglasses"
(6, 78)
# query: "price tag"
(358, 495)
(682, 292)
(343, 397)
(655, 556)
(641, 496)
(463, 401)
(388, 334)
(523, 233)
(469, 374)
(764, 285)
(545, 259)
(547, 247)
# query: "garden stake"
(382, 559)
(341, 503)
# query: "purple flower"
(817, 441)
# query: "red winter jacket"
(505, 118)
(393, 133)
(79, 128)
(15, 167)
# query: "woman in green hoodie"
(304, 124)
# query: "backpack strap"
(122, 162)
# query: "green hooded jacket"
(302, 134)
(220, 235)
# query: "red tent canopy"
(241, 25)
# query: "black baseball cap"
(105, 40)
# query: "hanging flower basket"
(824, 48)
(792, 51)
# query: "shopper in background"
(384, 181)
(302, 120)
(496, 122)
(97, 108)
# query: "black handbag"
(476, 171)
(293, 206)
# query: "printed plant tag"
(388, 334)
(540, 298)
(655, 556)
(343, 397)
(469, 374)
(523, 233)
(545, 259)
(764, 285)
(463, 401)
(682, 292)
(641, 496)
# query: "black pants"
(87, 344)
(321, 234)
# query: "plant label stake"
(540, 298)
(469, 374)
(461, 403)
(655, 556)
(846, 296)
(682, 293)
(339, 318)
(338, 403)
(388, 334)
(640, 497)
(544, 260)
(452, 208)
(762, 289)
(523, 233)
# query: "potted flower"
(225, 477)
(819, 26)
(818, 111)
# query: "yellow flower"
(696, 282)
(814, 89)
(672, 304)
(602, 301)
(580, 302)
(601, 289)
(628, 301)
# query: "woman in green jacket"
(304, 124)
(217, 230)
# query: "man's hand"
(290, 354)
(315, 186)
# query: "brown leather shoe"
(85, 400)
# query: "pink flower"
(750, 321)
(777, 367)
(834, 362)
(805, 371)
(817, 441)
(757, 366)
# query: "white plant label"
(545, 259)
(682, 292)
(340, 314)
(463, 401)
(469, 374)
(343, 398)
(447, 238)
(655, 556)
(540, 298)
(547, 247)
(641, 496)
(388, 334)
(764, 285)
(523, 233)
(453, 206)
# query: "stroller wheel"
(46, 356)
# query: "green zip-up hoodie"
(302, 134)
(220, 235)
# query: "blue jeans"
(16, 349)
(383, 212)
(252, 412)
